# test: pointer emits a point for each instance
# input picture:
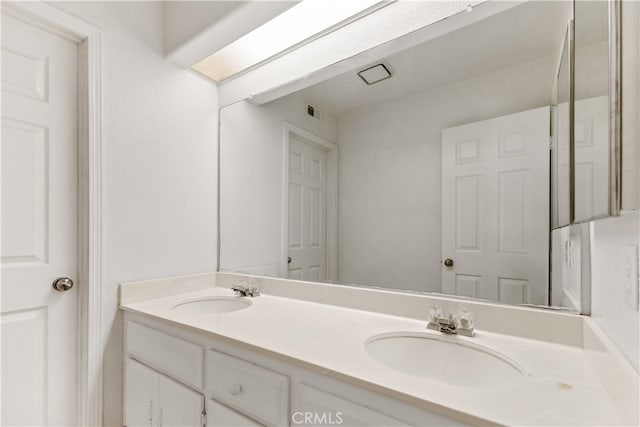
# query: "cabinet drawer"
(179, 358)
(254, 390)
(323, 408)
(219, 415)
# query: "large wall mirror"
(428, 169)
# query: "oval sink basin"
(212, 305)
(456, 363)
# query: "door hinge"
(203, 414)
(550, 143)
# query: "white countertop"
(560, 386)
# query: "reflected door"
(307, 211)
(39, 225)
(495, 208)
(591, 132)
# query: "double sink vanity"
(459, 183)
(198, 353)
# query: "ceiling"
(531, 31)
(297, 25)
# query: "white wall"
(159, 128)
(390, 173)
(251, 177)
(609, 309)
(610, 236)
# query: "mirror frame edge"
(615, 107)
(614, 208)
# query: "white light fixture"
(375, 74)
(298, 24)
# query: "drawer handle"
(235, 389)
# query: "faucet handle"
(240, 288)
(253, 288)
(466, 319)
(465, 323)
(435, 313)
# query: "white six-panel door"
(307, 219)
(39, 225)
(495, 208)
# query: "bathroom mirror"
(427, 170)
(596, 178)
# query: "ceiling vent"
(375, 74)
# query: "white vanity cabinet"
(154, 399)
(165, 383)
(163, 375)
(176, 376)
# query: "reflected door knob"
(62, 284)
(448, 262)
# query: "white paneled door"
(38, 225)
(307, 211)
(495, 208)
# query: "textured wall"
(159, 128)
(251, 172)
(391, 173)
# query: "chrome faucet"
(246, 289)
(449, 324)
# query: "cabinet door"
(218, 415)
(179, 405)
(141, 394)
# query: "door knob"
(288, 260)
(448, 262)
(62, 284)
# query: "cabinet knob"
(235, 389)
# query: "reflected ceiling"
(524, 33)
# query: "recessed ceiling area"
(195, 29)
(528, 32)
(199, 15)
(300, 23)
